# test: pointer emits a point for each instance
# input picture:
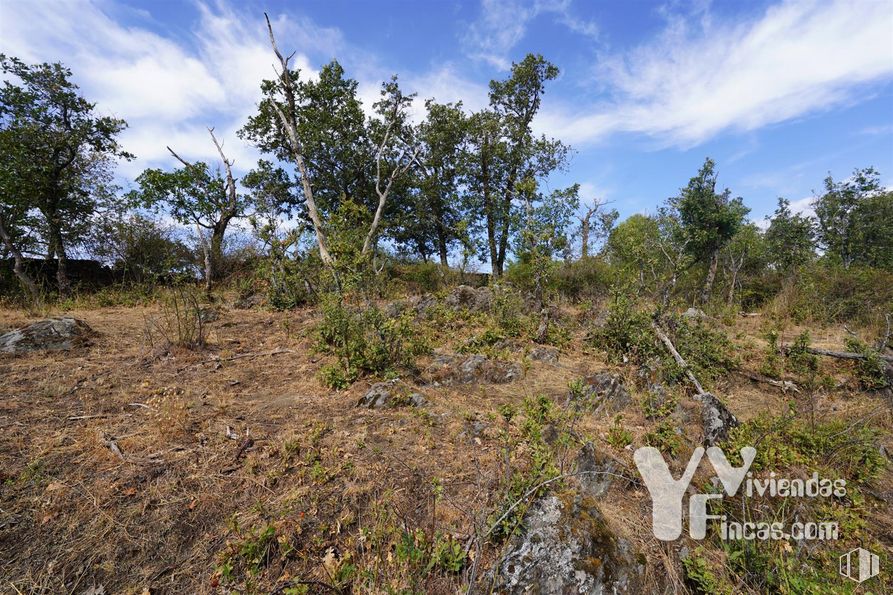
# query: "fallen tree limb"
(784, 385)
(845, 354)
(243, 355)
(679, 360)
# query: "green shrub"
(584, 279)
(664, 438)
(701, 577)
(365, 341)
(627, 332)
(707, 351)
(870, 371)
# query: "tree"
(634, 250)
(505, 151)
(604, 223)
(430, 216)
(790, 238)
(195, 195)
(854, 220)
(58, 158)
(708, 220)
(745, 249)
(320, 127)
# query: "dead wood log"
(845, 354)
(679, 360)
(784, 385)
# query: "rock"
(208, 314)
(422, 303)
(599, 470)
(391, 394)
(53, 334)
(548, 355)
(606, 392)
(718, 420)
(694, 314)
(419, 304)
(469, 369)
(567, 547)
(469, 298)
(254, 300)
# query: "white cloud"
(169, 91)
(503, 24)
(703, 76)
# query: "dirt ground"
(126, 467)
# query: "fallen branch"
(112, 445)
(784, 385)
(244, 355)
(79, 417)
(679, 360)
(845, 354)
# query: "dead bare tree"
(289, 122)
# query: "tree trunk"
(711, 276)
(62, 263)
(18, 264)
(584, 237)
(488, 208)
(731, 297)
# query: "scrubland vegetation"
(209, 438)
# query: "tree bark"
(61, 262)
(291, 132)
(18, 267)
(584, 237)
(711, 276)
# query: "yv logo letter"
(666, 492)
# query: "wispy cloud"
(503, 24)
(702, 76)
(169, 90)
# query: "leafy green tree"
(790, 238)
(854, 220)
(505, 152)
(708, 220)
(340, 156)
(543, 236)
(430, 217)
(634, 250)
(745, 253)
(57, 161)
(196, 195)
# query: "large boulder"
(392, 393)
(596, 470)
(54, 334)
(605, 391)
(567, 547)
(717, 418)
(449, 369)
(541, 353)
(469, 298)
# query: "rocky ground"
(128, 467)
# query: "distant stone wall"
(81, 272)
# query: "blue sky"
(778, 93)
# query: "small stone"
(548, 355)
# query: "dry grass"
(183, 496)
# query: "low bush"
(365, 341)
